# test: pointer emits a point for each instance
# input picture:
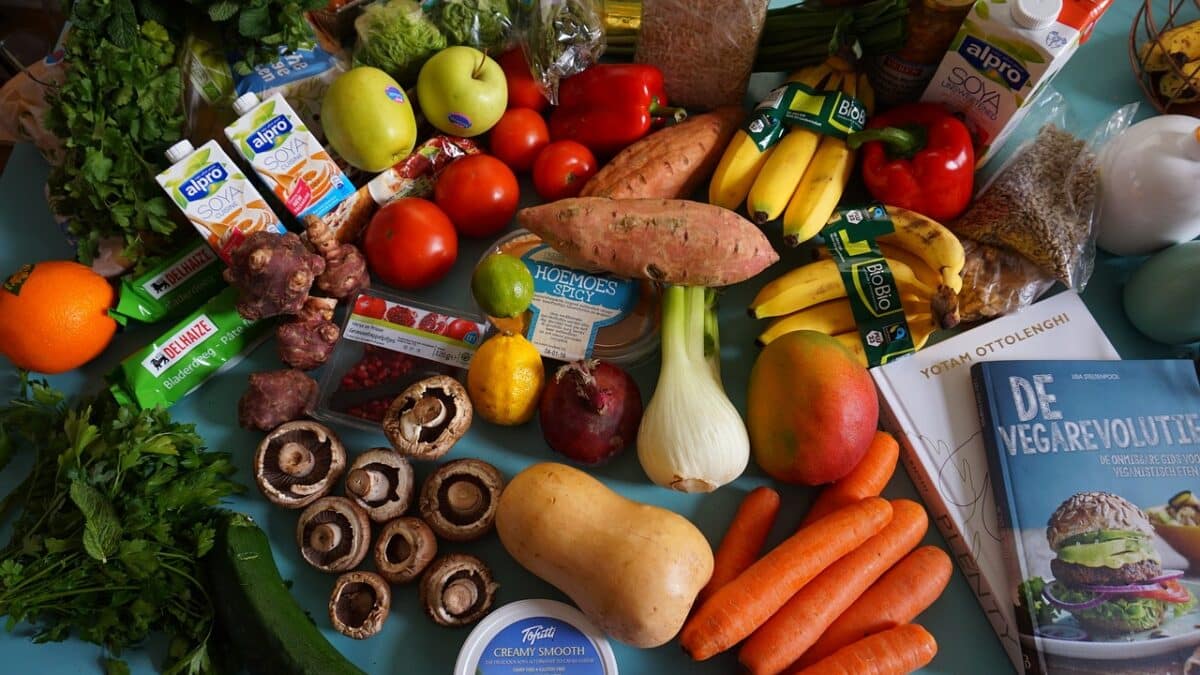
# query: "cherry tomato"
(518, 137)
(523, 91)
(461, 329)
(410, 244)
(370, 306)
(479, 193)
(561, 169)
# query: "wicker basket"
(1152, 20)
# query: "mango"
(811, 409)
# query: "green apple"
(368, 119)
(462, 91)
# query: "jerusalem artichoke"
(306, 340)
(274, 274)
(276, 397)
(345, 266)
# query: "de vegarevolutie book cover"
(1097, 479)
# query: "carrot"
(866, 480)
(674, 241)
(896, 599)
(669, 163)
(895, 651)
(795, 627)
(742, 605)
(743, 540)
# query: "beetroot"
(590, 411)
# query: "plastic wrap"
(1041, 205)
(560, 38)
(705, 49)
(485, 25)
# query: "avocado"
(1111, 553)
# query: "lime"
(502, 285)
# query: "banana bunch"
(926, 260)
(1181, 46)
(803, 175)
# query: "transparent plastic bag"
(705, 50)
(486, 25)
(1040, 204)
(560, 38)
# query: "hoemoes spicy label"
(210, 190)
(287, 156)
(1001, 57)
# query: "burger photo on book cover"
(1107, 573)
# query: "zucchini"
(270, 631)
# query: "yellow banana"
(893, 252)
(831, 318)
(1180, 44)
(930, 241)
(1184, 89)
(821, 187)
(742, 160)
(922, 327)
(819, 282)
(781, 173)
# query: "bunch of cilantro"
(117, 511)
(120, 107)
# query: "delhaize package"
(287, 156)
(177, 284)
(1004, 53)
(213, 193)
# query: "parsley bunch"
(117, 511)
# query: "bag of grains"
(1042, 203)
(705, 50)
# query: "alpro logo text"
(986, 58)
(204, 182)
(265, 137)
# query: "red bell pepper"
(919, 157)
(610, 105)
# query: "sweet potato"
(670, 163)
(669, 240)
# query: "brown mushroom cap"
(428, 418)
(459, 499)
(298, 463)
(359, 604)
(333, 534)
(457, 590)
(403, 549)
(381, 482)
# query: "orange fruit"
(53, 316)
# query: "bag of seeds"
(1041, 204)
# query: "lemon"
(502, 285)
(505, 380)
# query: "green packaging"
(870, 286)
(176, 284)
(210, 340)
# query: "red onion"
(590, 411)
(1072, 606)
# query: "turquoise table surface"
(1096, 80)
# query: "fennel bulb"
(691, 437)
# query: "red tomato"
(518, 137)
(461, 329)
(370, 306)
(479, 193)
(410, 244)
(1171, 591)
(523, 91)
(561, 169)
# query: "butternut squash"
(633, 569)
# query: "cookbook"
(1096, 472)
(927, 401)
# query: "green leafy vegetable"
(113, 518)
(397, 38)
(482, 24)
(1032, 604)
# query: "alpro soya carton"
(1004, 53)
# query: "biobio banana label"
(289, 159)
(875, 298)
(829, 113)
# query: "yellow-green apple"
(368, 119)
(462, 91)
